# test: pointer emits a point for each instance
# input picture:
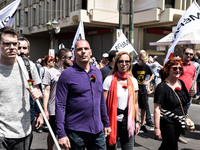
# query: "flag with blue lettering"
(7, 14)
(123, 44)
(189, 22)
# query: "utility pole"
(131, 25)
(120, 14)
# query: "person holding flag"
(188, 68)
(15, 126)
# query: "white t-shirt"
(122, 93)
(155, 68)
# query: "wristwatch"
(137, 121)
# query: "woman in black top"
(168, 115)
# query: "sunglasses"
(22, 47)
(191, 54)
(51, 60)
(8, 44)
(177, 68)
(124, 61)
(69, 58)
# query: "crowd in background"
(86, 100)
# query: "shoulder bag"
(189, 124)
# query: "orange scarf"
(112, 106)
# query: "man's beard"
(66, 65)
(24, 55)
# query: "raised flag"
(123, 44)
(189, 22)
(80, 34)
(7, 14)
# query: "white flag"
(189, 22)
(7, 14)
(80, 34)
(123, 44)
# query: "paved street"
(144, 141)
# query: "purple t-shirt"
(80, 103)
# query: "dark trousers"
(170, 132)
(15, 144)
(125, 142)
(82, 140)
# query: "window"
(54, 9)
(169, 3)
(19, 18)
(84, 4)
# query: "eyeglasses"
(8, 44)
(22, 47)
(124, 61)
(177, 68)
(191, 54)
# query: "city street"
(144, 141)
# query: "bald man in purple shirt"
(81, 115)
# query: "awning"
(154, 52)
(190, 38)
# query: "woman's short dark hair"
(173, 61)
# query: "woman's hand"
(137, 128)
(157, 134)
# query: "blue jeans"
(148, 114)
(81, 140)
(15, 144)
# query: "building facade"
(152, 20)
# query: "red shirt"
(188, 75)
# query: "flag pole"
(195, 78)
(48, 125)
(43, 114)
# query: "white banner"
(80, 34)
(52, 53)
(7, 14)
(123, 44)
(118, 32)
(190, 21)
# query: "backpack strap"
(27, 64)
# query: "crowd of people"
(89, 104)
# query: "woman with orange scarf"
(121, 94)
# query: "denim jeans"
(148, 114)
(15, 144)
(81, 140)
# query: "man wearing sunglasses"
(188, 68)
(188, 74)
(50, 82)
